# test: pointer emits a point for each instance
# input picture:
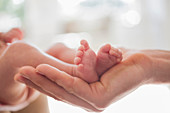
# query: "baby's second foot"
(107, 57)
(86, 63)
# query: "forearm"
(155, 64)
(160, 71)
(160, 54)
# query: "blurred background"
(138, 24)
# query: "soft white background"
(138, 24)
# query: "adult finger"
(92, 93)
(50, 88)
(20, 78)
(18, 32)
(14, 34)
(10, 36)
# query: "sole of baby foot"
(107, 57)
(86, 63)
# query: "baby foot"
(107, 57)
(86, 63)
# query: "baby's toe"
(77, 60)
(115, 52)
(119, 52)
(80, 67)
(79, 53)
(85, 44)
(81, 48)
(119, 59)
(105, 49)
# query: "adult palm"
(118, 81)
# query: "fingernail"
(19, 79)
(38, 72)
(24, 76)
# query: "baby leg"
(107, 57)
(62, 52)
(86, 63)
(15, 56)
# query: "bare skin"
(10, 36)
(40, 105)
(61, 52)
(12, 59)
(34, 107)
(91, 66)
(5, 41)
(20, 54)
(15, 57)
(138, 67)
(5, 44)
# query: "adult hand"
(136, 69)
(10, 36)
(12, 57)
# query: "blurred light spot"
(131, 18)
(16, 2)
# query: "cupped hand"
(114, 84)
(10, 36)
